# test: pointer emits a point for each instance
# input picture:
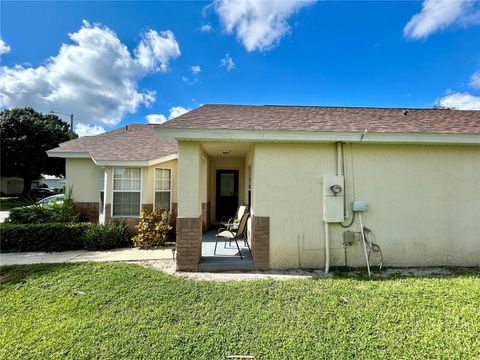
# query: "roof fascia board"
(68, 154)
(316, 136)
(136, 162)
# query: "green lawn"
(117, 310)
(7, 203)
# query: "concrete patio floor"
(226, 258)
(125, 254)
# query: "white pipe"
(364, 243)
(327, 249)
(339, 159)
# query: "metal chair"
(233, 222)
(234, 234)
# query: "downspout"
(327, 248)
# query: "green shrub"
(153, 228)
(42, 237)
(40, 214)
(107, 236)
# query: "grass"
(7, 203)
(117, 310)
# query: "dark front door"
(227, 194)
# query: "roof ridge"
(334, 107)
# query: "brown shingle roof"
(319, 118)
(138, 143)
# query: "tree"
(25, 136)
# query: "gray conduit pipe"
(364, 244)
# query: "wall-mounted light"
(226, 152)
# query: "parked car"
(40, 193)
(57, 199)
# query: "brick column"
(260, 242)
(189, 243)
(205, 216)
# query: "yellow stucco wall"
(84, 176)
(424, 202)
(148, 176)
(189, 183)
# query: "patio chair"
(233, 222)
(234, 234)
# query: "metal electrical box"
(333, 198)
(359, 205)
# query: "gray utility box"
(333, 202)
(350, 237)
(359, 205)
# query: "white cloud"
(439, 14)
(259, 25)
(95, 78)
(206, 28)
(160, 118)
(4, 48)
(177, 111)
(156, 49)
(88, 130)
(195, 69)
(156, 118)
(461, 101)
(475, 80)
(227, 62)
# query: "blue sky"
(384, 54)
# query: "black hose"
(351, 222)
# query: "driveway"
(127, 254)
(3, 215)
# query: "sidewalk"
(126, 254)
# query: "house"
(10, 186)
(411, 175)
(116, 174)
(56, 183)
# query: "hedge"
(61, 236)
(42, 237)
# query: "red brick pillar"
(260, 242)
(189, 243)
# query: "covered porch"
(226, 258)
(214, 179)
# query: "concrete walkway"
(126, 254)
(3, 215)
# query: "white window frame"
(100, 190)
(114, 191)
(155, 190)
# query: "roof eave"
(198, 134)
(86, 155)
(68, 154)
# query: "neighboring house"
(52, 182)
(418, 169)
(10, 186)
(14, 185)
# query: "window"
(126, 191)
(101, 198)
(163, 189)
